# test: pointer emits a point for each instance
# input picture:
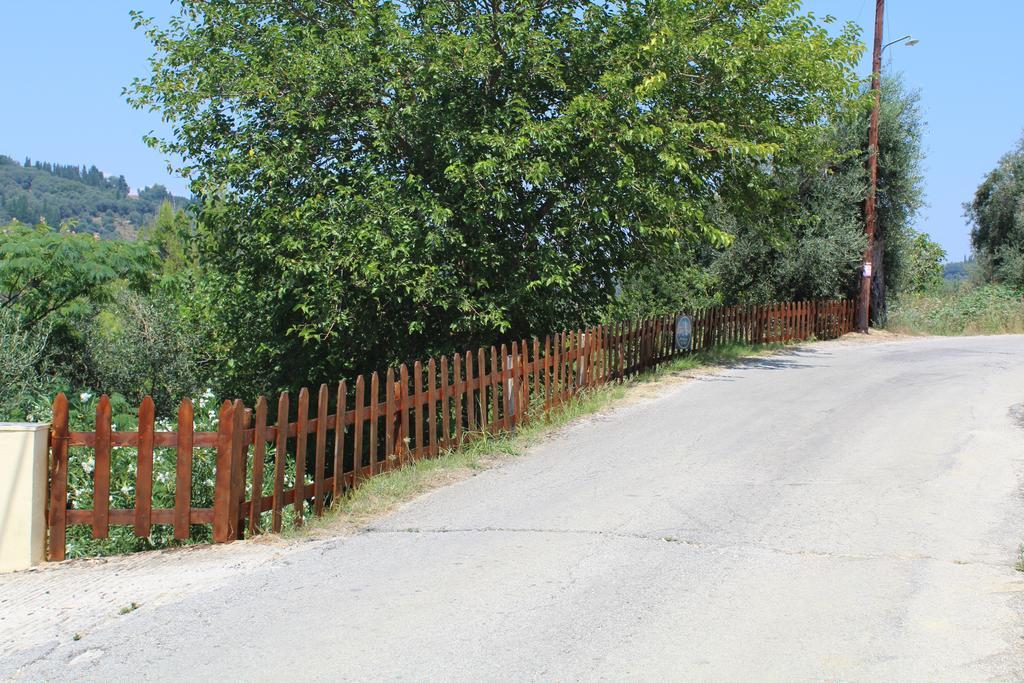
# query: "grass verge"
(384, 492)
(960, 309)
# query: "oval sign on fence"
(684, 333)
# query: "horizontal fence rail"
(296, 463)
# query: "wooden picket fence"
(378, 423)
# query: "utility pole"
(870, 219)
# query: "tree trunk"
(878, 310)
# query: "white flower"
(85, 396)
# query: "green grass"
(383, 492)
(960, 309)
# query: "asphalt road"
(840, 512)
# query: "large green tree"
(808, 242)
(996, 215)
(900, 188)
(811, 243)
(382, 179)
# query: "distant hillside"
(56, 193)
(958, 270)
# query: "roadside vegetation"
(985, 294)
(375, 183)
(960, 308)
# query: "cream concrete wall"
(23, 455)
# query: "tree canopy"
(384, 179)
(996, 215)
(48, 276)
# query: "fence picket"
(432, 443)
(338, 481)
(514, 409)
(481, 377)
(258, 454)
(536, 367)
(389, 419)
(357, 430)
(240, 417)
(280, 449)
(101, 471)
(419, 406)
(470, 406)
(505, 404)
(144, 470)
(222, 484)
(374, 420)
(556, 370)
(320, 454)
(547, 367)
(525, 372)
(448, 395)
(496, 372)
(183, 472)
(403, 438)
(301, 439)
(58, 478)
(460, 387)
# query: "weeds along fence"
(272, 469)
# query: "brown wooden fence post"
(144, 469)
(339, 440)
(58, 479)
(183, 472)
(101, 471)
(420, 403)
(280, 450)
(320, 452)
(390, 419)
(470, 401)
(402, 401)
(301, 442)
(374, 440)
(358, 417)
(496, 374)
(445, 409)
(259, 449)
(433, 443)
(481, 377)
(239, 452)
(222, 487)
(513, 401)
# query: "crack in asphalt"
(700, 545)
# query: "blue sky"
(68, 60)
(967, 69)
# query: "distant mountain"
(35, 191)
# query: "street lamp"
(907, 40)
(870, 218)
